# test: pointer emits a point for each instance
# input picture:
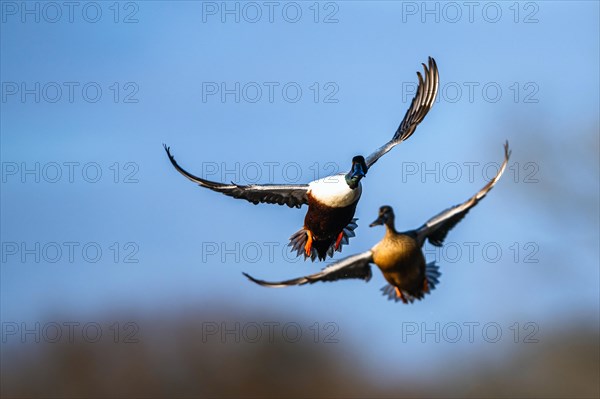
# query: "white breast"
(333, 191)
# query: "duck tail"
(316, 249)
(347, 233)
(396, 294)
(432, 275)
(321, 248)
(298, 243)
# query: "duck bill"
(378, 222)
(358, 171)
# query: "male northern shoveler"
(398, 255)
(329, 221)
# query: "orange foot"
(308, 245)
(426, 286)
(399, 295)
(339, 240)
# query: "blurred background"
(121, 278)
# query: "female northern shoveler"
(398, 255)
(329, 221)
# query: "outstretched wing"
(290, 195)
(436, 228)
(420, 106)
(355, 266)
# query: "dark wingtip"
(249, 277)
(507, 150)
(263, 283)
(168, 150)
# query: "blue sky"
(362, 66)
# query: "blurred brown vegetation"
(170, 360)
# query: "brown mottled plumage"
(401, 261)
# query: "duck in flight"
(329, 221)
(398, 255)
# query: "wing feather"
(355, 266)
(436, 228)
(293, 196)
(419, 107)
